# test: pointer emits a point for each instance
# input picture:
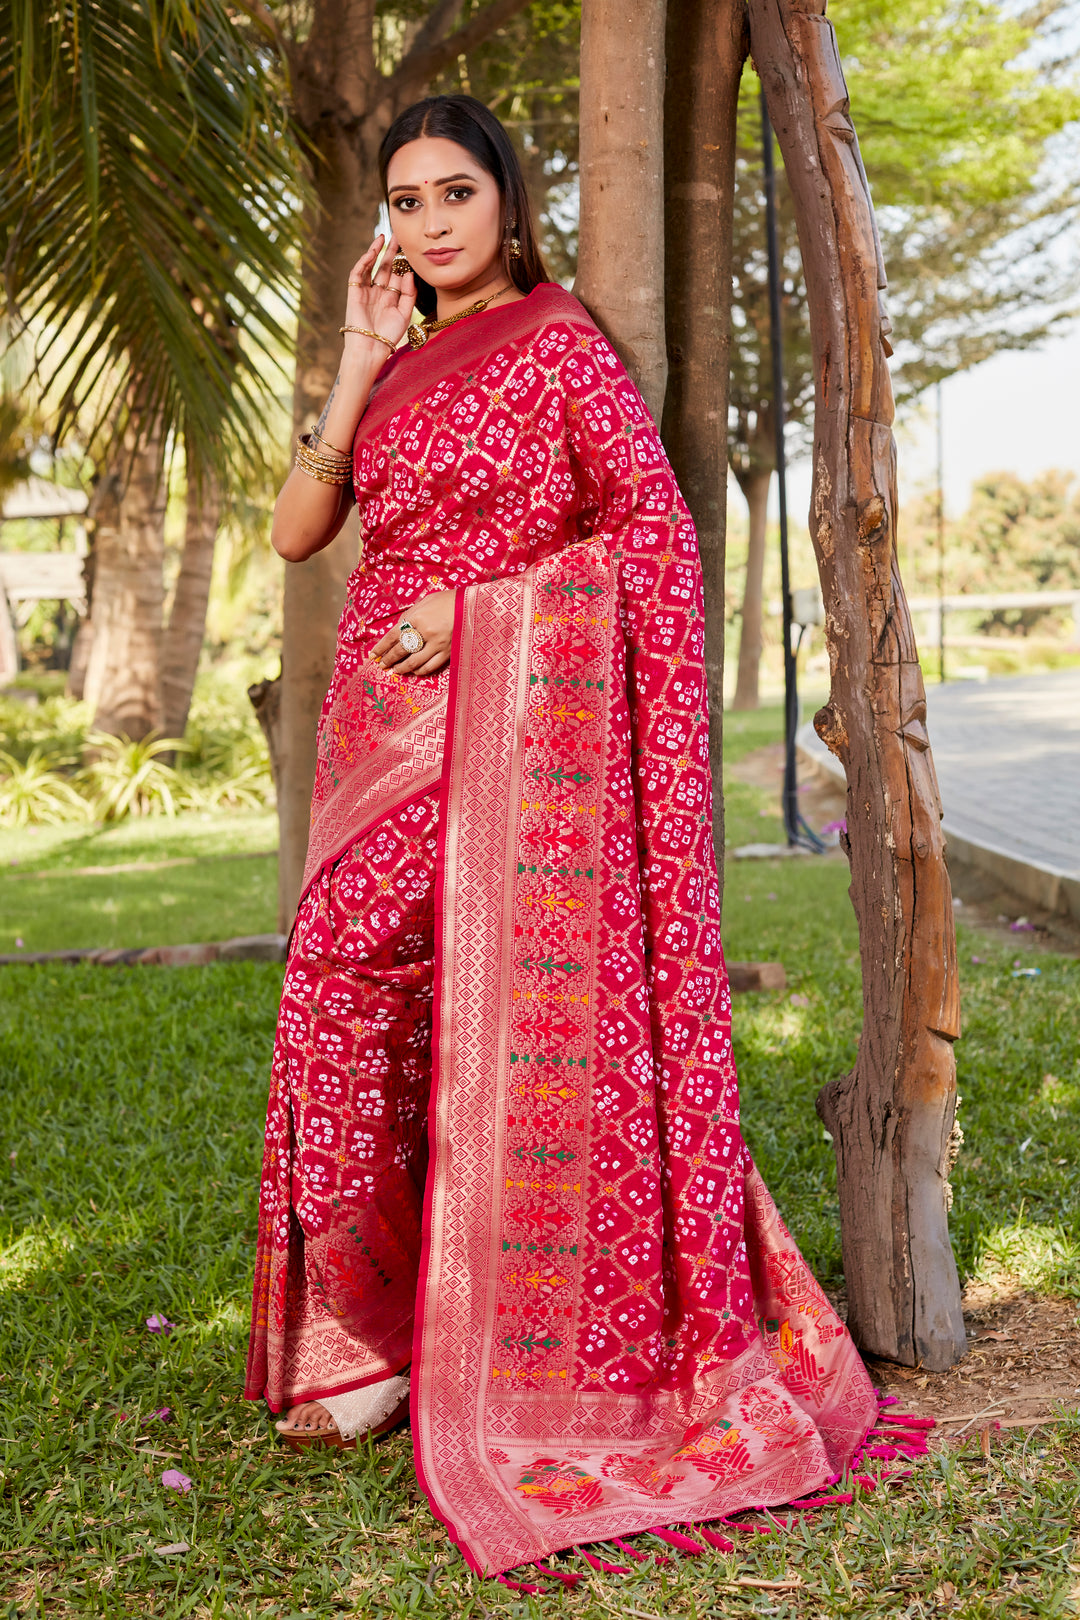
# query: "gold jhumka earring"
(401, 265)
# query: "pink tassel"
(631, 1552)
(605, 1569)
(747, 1529)
(886, 1400)
(522, 1586)
(865, 1481)
(906, 1421)
(567, 1578)
(885, 1452)
(674, 1539)
(825, 1501)
(720, 1542)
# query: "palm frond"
(149, 208)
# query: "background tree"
(707, 44)
(1016, 535)
(351, 66)
(146, 207)
(620, 271)
(958, 106)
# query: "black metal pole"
(790, 801)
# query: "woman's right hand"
(382, 302)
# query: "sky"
(1014, 413)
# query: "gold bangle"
(339, 479)
(329, 456)
(321, 467)
(346, 455)
(362, 331)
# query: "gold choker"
(419, 334)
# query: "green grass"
(49, 903)
(129, 1156)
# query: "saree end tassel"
(604, 1568)
(866, 1481)
(675, 1539)
(631, 1552)
(836, 1500)
(567, 1577)
(721, 1543)
(748, 1529)
(886, 1400)
(522, 1586)
(908, 1420)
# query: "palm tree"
(148, 207)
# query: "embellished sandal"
(348, 1413)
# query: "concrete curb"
(1039, 884)
(247, 948)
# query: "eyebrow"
(445, 181)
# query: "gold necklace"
(419, 334)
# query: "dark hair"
(468, 122)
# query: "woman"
(502, 1154)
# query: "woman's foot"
(307, 1419)
(360, 1416)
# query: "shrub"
(129, 777)
(33, 791)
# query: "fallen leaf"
(1000, 1338)
(173, 1547)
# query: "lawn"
(166, 881)
(129, 1154)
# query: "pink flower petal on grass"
(835, 827)
(160, 1324)
(799, 1001)
(19, 945)
(162, 1412)
(174, 1480)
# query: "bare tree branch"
(442, 16)
(260, 14)
(424, 62)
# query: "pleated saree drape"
(608, 1325)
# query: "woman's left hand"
(433, 617)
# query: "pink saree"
(608, 1325)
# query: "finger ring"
(354, 281)
(410, 638)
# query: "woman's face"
(446, 212)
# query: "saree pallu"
(613, 1328)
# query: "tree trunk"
(892, 1117)
(755, 487)
(344, 104)
(333, 85)
(187, 620)
(123, 677)
(620, 277)
(707, 43)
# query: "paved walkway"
(1007, 753)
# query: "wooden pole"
(892, 1117)
(707, 42)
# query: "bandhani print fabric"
(611, 1327)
